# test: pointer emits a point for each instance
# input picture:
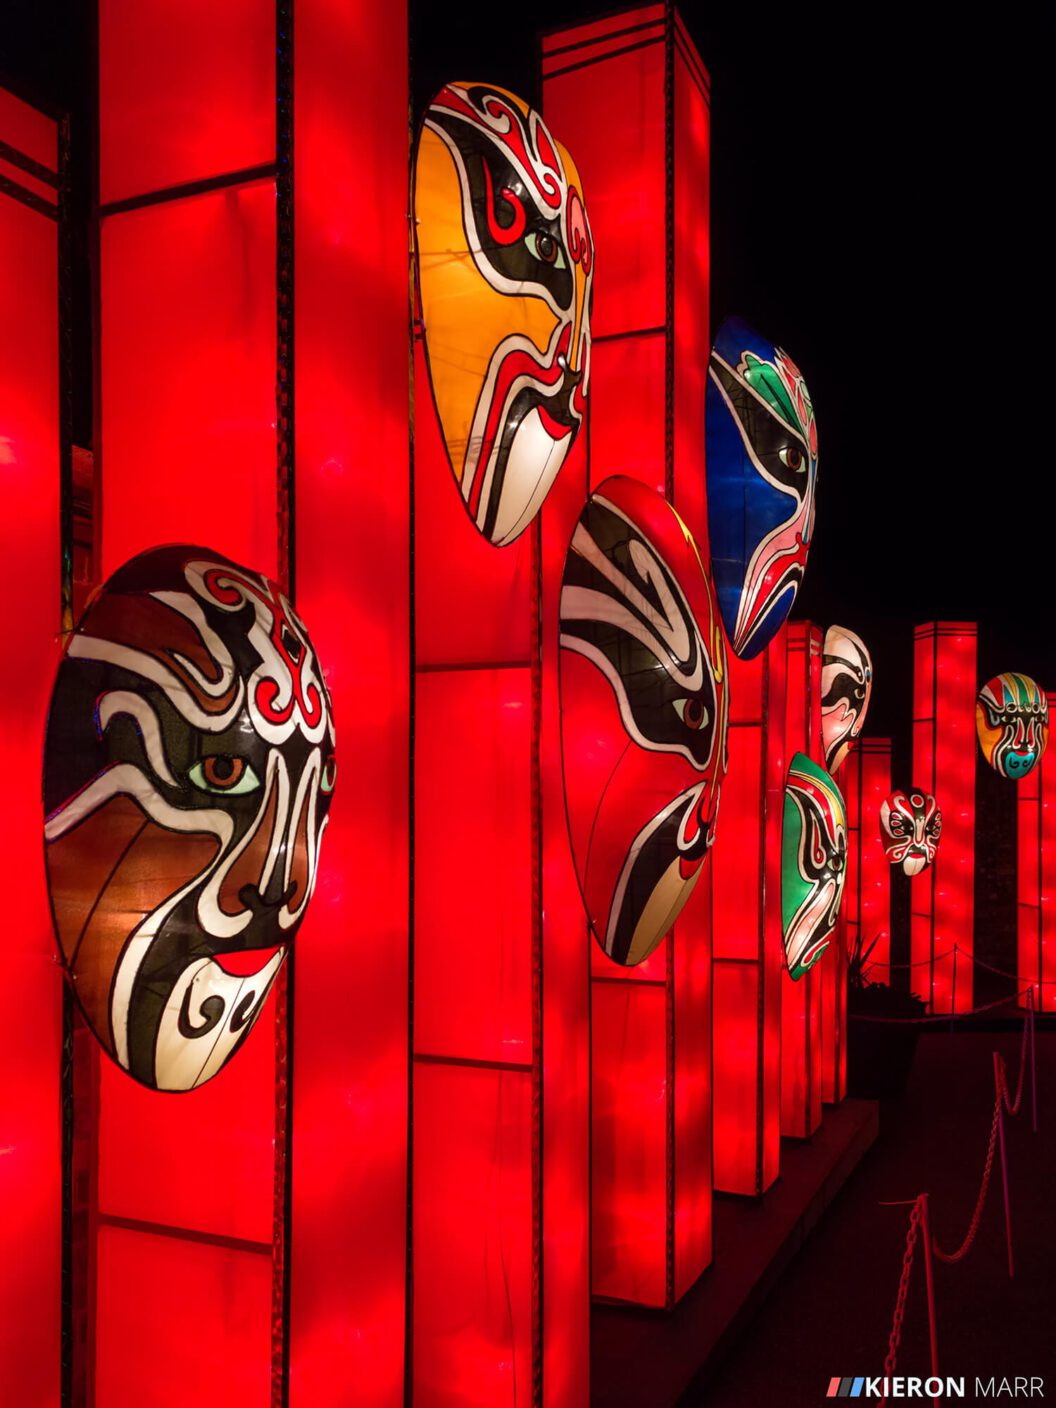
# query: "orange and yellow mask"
(505, 264)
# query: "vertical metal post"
(999, 1088)
(929, 1276)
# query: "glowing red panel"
(31, 1005)
(693, 1087)
(801, 1008)
(11, 171)
(626, 413)
(773, 929)
(1047, 914)
(601, 36)
(604, 90)
(229, 1122)
(747, 928)
(186, 91)
(472, 872)
(737, 879)
(737, 1073)
(566, 952)
(629, 1141)
(1028, 879)
(188, 377)
(472, 1222)
(348, 1206)
(611, 117)
(28, 131)
(692, 241)
(457, 570)
(944, 685)
(159, 1294)
(874, 870)
(834, 977)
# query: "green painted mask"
(813, 862)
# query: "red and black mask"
(910, 827)
(643, 714)
(188, 771)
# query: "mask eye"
(691, 711)
(791, 456)
(224, 773)
(543, 246)
(328, 776)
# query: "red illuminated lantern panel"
(1036, 882)
(944, 762)
(801, 1001)
(866, 777)
(33, 462)
(204, 237)
(747, 930)
(629, 95)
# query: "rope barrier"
(919, 1218)
(920, 962)
(977, 1211)
(964, 953)
(895, 1337)
(939, 1016)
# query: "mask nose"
(271, 873)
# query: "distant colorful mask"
(910, 827)
(1012, 721)
(505, 267)
(846, 684)
(188, 770)
(644, 709)
(813, 862)
(762, 465)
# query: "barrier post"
(998, 1083)
(929, 1277)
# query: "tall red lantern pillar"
(499, 1120)
(944, 762)
(32, 454)
(629, 96)
(1036, 882)
(242, 406)
(866, 780)
(801, 1001)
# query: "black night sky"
(879, 187)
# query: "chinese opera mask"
(188, 772)
(910, 827)
(1012, 721)
(505, 264)
(644, 709)
(846, 684)
(762, 465)
(813, 862)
